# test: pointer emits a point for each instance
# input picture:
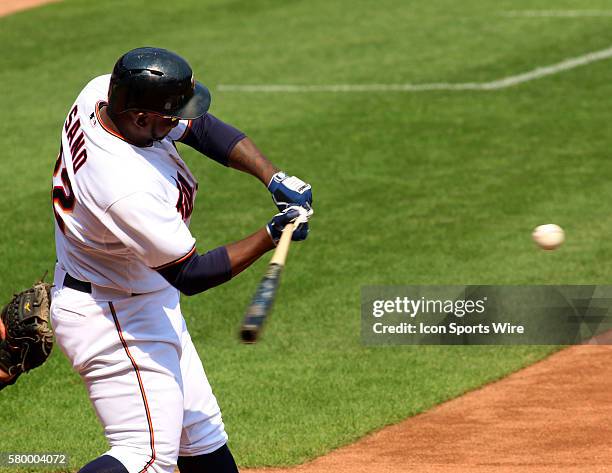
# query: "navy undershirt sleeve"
(199, 272)
(212, 137)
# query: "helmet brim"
(197, 105)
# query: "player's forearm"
(246, 157)
(229, 146)
(245, 252)
(198, 273)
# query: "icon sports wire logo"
(486, 315)
(414, 307)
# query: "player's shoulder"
(97, 87)
(113, 167)
(116, 170)
(84, 106)
(108, 176)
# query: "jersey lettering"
(184, 204)
(76, 139)
(62, 194)
(71, 116)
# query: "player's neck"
(120, 127)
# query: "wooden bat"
(261, 304)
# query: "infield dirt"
(555, 415)
(11, 6)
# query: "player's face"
(161, 126)
(147, 127)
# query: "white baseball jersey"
(120, 210)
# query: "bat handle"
(280, 254)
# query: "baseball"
(549, 236)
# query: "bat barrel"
(249, 333)
(261, 304)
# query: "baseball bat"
(261, 304)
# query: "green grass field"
(439, 187)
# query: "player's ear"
(142, 119)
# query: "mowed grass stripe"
(558, 13)
(502, 83)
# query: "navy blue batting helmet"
(156, 80)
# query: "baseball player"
(123, 198)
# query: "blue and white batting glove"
(289, 190)
(294, 213)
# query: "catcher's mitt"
(29, 338)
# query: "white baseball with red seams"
(127, 338)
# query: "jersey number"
(62, 195)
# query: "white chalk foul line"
(557, 13)
(494, 85)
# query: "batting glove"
(289, 190)
(291, 214)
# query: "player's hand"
(289, 190)
(290, 214)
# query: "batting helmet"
(156, 80)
